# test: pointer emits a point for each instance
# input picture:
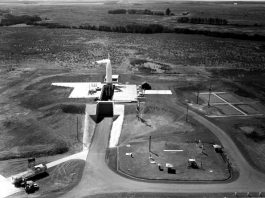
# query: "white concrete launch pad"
(6, 187)
(82, 89)
(125, 93)
(122, 92)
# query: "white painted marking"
(116, 126)
(162, 92)
(85, 131)
(82, 155)
(230, 104)
(6, 187)
(173, 150)
(228, 116)
(211, 92)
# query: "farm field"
(244, 17)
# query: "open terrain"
(169, 130)
(39, 120)
(245, 17)
(59, 180)
(42, 52)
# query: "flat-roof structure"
(115, 78)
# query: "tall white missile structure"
(108, 89)
(108, 69)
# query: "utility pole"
(210, 93)
(187, 112)
(77, 128)
(198, 96)
(149, 143)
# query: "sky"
(112, 0)
(12, 1)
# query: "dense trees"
(156, 28)
(10, 19)
(168, 11)
(198, 20)
(117, 11)
(136, 11)
(130, 28)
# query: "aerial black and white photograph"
(132, 98)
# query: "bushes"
(155, 28)
(159, 13)
(235, 35)
(50, 25)
(210, 21)
(117, 11)
(136, 11)
(131, 28)
(10, 19)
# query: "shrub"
(10, 19)
(198, 20)
(168, 11)
(159, 13)
(131, 11)
(117, 11)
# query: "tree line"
(10, 19)
(152, 29)
(198, 20)
(141, 12)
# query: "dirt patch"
(255, 133)
(148, 66)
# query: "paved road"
(98, 178)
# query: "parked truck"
(25, 180)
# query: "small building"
(218, 148)
(115, 78)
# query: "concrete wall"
(105, 109)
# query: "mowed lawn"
(169, 131)
(211, 164)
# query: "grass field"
(253, 103)
(242, 18)
(251, 143)
(211, 165)
(61, 179)
(169, 130)
(41, 52)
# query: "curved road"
(98, 178)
